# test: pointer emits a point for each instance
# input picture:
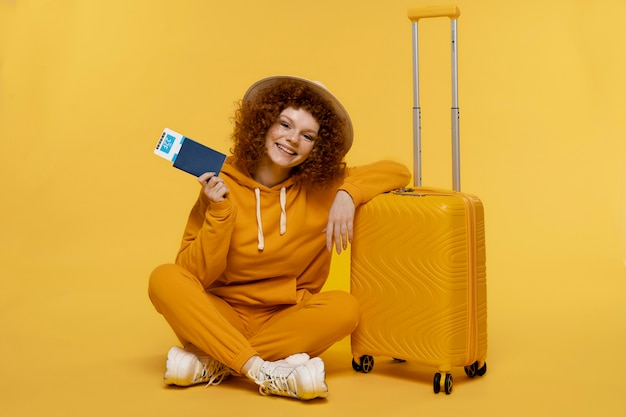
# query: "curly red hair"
(253, 119)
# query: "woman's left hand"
(340, 221)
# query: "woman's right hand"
(214, 187)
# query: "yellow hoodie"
(266, 245)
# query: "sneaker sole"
(312, 380)
(177, 360)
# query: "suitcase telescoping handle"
(415, 15)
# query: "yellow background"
(87, 210)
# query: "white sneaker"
(190, 367)
(298, 376)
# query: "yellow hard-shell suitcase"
(418, 265)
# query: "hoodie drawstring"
(283, 212)
(259, 225)
(283, 215)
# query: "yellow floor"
(72, 348)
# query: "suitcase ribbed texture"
(418, 270)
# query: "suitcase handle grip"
(418, 13)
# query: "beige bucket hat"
(319, 89)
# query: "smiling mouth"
(282, 148)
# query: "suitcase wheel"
(365, 364)
(447, 383)
(482, 370)
(475, 369)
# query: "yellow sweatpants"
(232, 334)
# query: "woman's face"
(290, 140)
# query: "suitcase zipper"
(472, 325)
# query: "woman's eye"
(308, 137)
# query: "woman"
(244, 294)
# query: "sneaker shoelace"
(214, 370)
(275, 383)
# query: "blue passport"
(188, 155)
